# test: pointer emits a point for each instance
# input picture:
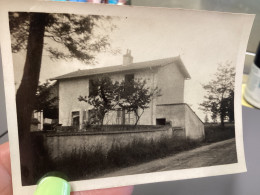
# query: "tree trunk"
(137, 120)
(123, 116)
(222, 120)
(102, 121)
(137, 117)
(25, 96)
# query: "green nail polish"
(53, 186)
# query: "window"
(91, 87)
(129, 78)
(92, 117)
(161, 121)
(119, 116)
(119, 113)
(129, 118)
(75, 119)
(84, 116)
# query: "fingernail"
(53, 186)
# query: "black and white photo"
(121, 96)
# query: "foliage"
(206, 120)
(35, 121)
(102, 98)
(105, 95)
(46, 100)
(228, 106)
(136, 96)
(219, 100)
(75, 33)
(61, 36)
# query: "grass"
(86, 163)
(216, 133)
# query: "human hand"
(6, 179)
(5, 170)
(112, 191)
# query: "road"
(219, 153)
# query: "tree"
(219, 100)
(206, 120)
(228, 106)
(105, 95)
(46, 100)
(63, 36)
(136, 96)
(102, 97)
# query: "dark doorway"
(161, 121)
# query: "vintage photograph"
(100, 96)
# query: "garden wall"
(194, 126)
(59, 144)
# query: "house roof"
(122, 68)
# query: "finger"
(5, 182)
(5, 157)
(112, 191)
(5, 170)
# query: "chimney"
(127, 58)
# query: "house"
(46, 115)
(168, 75)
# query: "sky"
(202, 40)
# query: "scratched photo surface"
(100, 97)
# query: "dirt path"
(214, 154)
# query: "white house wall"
(168, 106)
(175, 114)
(182, 116)
(69, 92)
(171, 83)
(71, 89)
(149, 115)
